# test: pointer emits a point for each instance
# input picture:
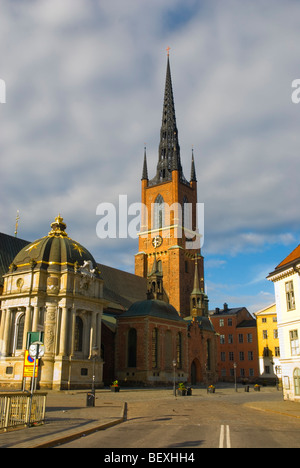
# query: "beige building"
(268, 344)
(53, 286)
(286, 281)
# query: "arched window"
(186, 214)
(297, 381)
(208, 344)
(20, 332)
(169, 356)
(159, 212)
(179, 350)
(155, 348)
(78, 335)
(132, 347)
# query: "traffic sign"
(29, 365)
(37, 350)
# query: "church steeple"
(193, 169)
(166, 202)
(198, 299)
(169, 149)
(145, 169)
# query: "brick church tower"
(169, 220)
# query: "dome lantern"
(58, 228)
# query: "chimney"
(225, 306)
(217, 310)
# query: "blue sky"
(85, 82)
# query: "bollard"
(90, 399)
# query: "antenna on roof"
(17, 223)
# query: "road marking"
(228, 437)
(224, 435)
(221, 443)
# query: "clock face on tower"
(157, 241)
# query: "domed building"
(53, 286)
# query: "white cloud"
(85, 85)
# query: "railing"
(15, 409)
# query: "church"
(100, 323)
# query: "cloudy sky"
(84, 93)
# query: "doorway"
(195, 372)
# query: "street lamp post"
(94, 355)
(235, 384)
(174, 377)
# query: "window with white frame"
(290, 296)
(294, 340)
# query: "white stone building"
(53, 286)
(286, 281)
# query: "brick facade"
(237, 343)
(157, 345)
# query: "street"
(223, 420)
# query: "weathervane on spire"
(168, 51)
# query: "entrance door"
(195, 372)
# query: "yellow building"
(268, 343)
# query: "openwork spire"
(169, 149)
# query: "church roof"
(203, 322)
(153, 308)
(121, 287)
(9, 248)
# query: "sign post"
(36, 351)
(28, 360)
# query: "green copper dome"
(56, 250)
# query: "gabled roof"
(9, 248)
(233, 311)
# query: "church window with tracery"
(179, 350)
(155, 348)
(159, 212)
(78, 335)
(132, 347)
(20, 332)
